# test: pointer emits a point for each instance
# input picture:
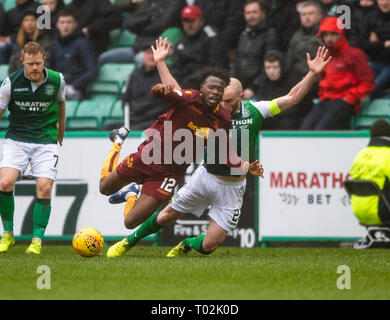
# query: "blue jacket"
(75, 57)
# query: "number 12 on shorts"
(168, 184)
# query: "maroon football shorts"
(156, 184)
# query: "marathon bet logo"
(32, 105)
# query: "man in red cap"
(346, 79)
(196, 49)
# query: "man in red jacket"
(346, 79)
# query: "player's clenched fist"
(162, 89)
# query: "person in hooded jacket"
(346, 79)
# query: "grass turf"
(229, 273)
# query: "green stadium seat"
(89, 115)
(111, 79)
(121, 38)
(71, 106)
(365, 121)
(9, 4)
(116, 114)
(3, 72)
(107, 98)
(378, 107)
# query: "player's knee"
(130, 223)
(44, 190)
(167, 217)
(102, 188)
(6, 185)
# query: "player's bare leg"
(204, 243)
(8, 178)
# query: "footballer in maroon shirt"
(191, 111)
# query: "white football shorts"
(43, 158)
(204, 190)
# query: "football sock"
(130, 201)
(111, 161)
(41, 216)
(195, 243)
(7, 206)
(150, 226)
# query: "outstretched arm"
(160, 52)
(298, 92)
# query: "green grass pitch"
(229, 273)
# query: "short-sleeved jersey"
(33, 110)
(246, 123)
(186, 111)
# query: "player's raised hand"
(319, 62)
(256, 169)
(162, 89)
(161, 51)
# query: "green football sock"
(150, 226)
(7, 206)
(195, 243)
(41, 217)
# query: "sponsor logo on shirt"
(32, 105)
(20, 89)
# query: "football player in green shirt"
(35, 98)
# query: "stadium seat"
(121, 38)
(107, 98)
(3, 72)
(116, 114)
(112, 77)
(378, 107)
(88, 116)
(365, 121)
(9, 4)
(71, 106)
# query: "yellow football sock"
(111, 161)
(129, 204)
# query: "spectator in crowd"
(12, 23)
(4, 53)
(55, 7)
(144, 109)
(305, 39)
(28, 32)
(73, 55)
(283, 16)
(373, 163)
(257, 38)
(362, 10)
(376, 43)
(147, 22)
(227, 18)
(96, 18)
(346, 79)
(276, 81)
(195, 49)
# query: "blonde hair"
(33, 48)
(21, 37)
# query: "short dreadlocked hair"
(380, 128)
(217, 72)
